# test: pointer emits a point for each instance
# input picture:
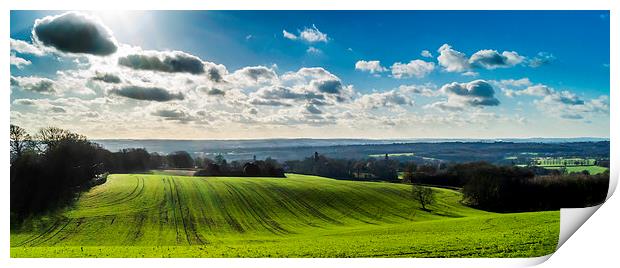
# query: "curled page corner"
(571, 219)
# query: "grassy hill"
(299, 216)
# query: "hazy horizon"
(353, 138)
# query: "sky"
(312, 74)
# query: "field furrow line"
(180, 206)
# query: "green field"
(591, 169)
(299, 216)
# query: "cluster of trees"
(256, 168)
(50, 168)
(509, 188)
(367, 169)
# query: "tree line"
(359, 169)
(514, 189)
(255, 168)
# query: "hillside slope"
(160, 215)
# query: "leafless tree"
(19, 140)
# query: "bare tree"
(424, 195)
(19, 140)
(52, 136)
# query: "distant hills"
(286, 149)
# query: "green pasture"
(141, 215)
(575, 169)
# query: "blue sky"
(548, 74)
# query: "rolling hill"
(139, 215)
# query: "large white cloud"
(558, 103)
(461, 95)
(316, 86)
(455, 61)
(146, 93)
(452, 60)
(166, 61)
(74, 32)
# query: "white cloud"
(470, 73)
(542, 58)
(163, 61)
(74, 32)
(146, 93)
(516, 82)
(426, 54)
(452, 60)
(289, 35)
(427, 90)
(19, 62)
(567, 105)
(312, 109)
(315, 86)
(252, 76)
(40, 85)
(377, 100)
(550, 94)
(25, 48)
(313, 35)
(462, 95)
(415, 68)
(508, 85)
(373, 66)
(536, 90)
(556, 103)
(309, 34)
(491, 59)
